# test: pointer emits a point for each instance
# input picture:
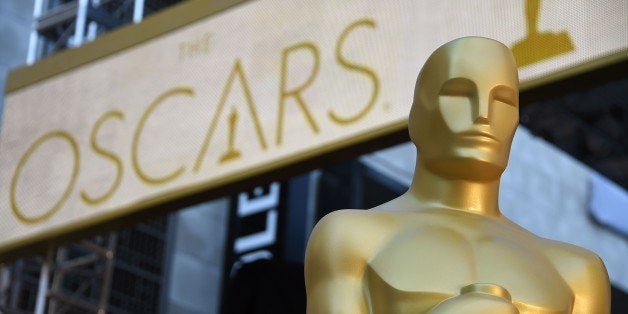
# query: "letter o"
(14, 205)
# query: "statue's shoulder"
(354, 232)
(581, 269)
(577, 258)
(349, 223)
(570, 260)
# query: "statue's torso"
(428, 256)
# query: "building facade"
(238, 246)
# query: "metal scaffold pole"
(44, 276)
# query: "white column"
(138, 11)
(33, 42)
(42, 289)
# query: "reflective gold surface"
(444, 246)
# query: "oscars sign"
(228, 96)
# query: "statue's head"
(466, 109)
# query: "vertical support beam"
(300, 214)
(57, 278)
(108, 273)
(92, 27)
(18, 275)
(33, 41)
(313, 183)
(138, 11)
(42, 290)
(81, 21)
(4, 286)
(357, 185)
(170, 247)
(92, 31)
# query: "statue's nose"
(481, 109)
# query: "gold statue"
(444, 246)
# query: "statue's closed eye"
(505, 94)
(458, 86)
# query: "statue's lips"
(478, 135)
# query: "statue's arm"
(592, 288)
(585, 274)
(334, 268)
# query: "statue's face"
(466, 109)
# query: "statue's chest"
(431, 258)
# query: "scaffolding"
(80, 276)
(120, 272)
(62, 24)
(91, 275)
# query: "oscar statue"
(444, 246)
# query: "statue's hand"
(478, 298)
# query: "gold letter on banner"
(231, 153)
(358, 68)
(14, 205)
(138, 132)
(115, 159)
(296, 92)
